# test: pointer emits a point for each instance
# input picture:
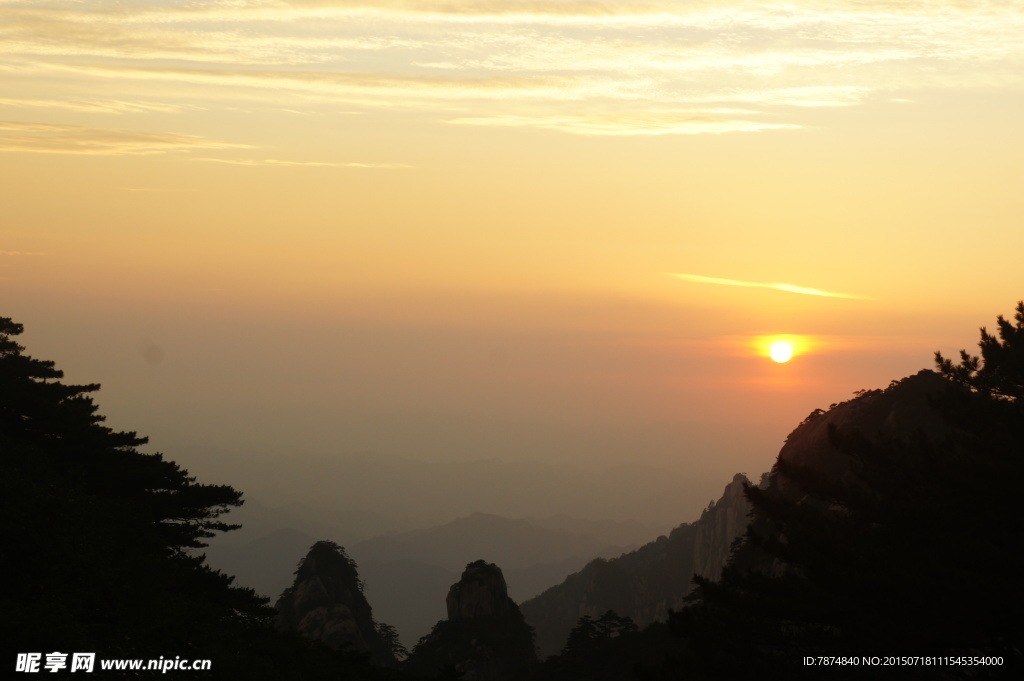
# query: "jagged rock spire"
(480, 591)
(326, 603)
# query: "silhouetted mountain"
(534, 580)
(612, 532)
(719, 526)
(404, 571)
(259, 519)
(326, 604)
(890, 523)
(515, 543)
(906, 411)
(405, 592)
(343, 490)
(485, 637)
(643, 584)
(393, 563)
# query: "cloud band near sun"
(789, 288)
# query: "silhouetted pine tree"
(60, 422)
(1000, 368)
(97, 540)
(389, 635)
(916, 553)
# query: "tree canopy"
(915, 551)
(1000, 368)
(99, 543)
(61, 421)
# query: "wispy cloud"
(49, 138)
(361, 84)
(286, 164)
(789, 288)
(584, 11)
(624, 124)
(91, 105)
(21, 253)
(630, 58)
(376, 165)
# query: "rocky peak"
(480, 591)
(326, 603)
(719, 526)
(485, 637)
(646, 583)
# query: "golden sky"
(351, 217)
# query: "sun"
(781, 351)
(782, 347)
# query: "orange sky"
(321, 224)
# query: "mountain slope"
(891, 523)
(407, 572)
(643, 584)
(513, 543)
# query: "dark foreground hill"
(890, 527)
(888, 533)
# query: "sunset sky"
(539, 230)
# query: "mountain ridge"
(646, 583)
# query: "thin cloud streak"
(286, 164)
(543, 87)
(50, 138)
(789, 288)
(583, 13)
(91, 105)
(652, 124)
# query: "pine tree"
(97, 536)
(915, 551)
(389, 635)
(61, 421)
(1000, 368)
(99, 544)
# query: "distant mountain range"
(408, 573)
(362, 496)
(643, 584)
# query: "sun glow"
(782, 347)
(781, 351)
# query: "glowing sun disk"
(781, 351)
